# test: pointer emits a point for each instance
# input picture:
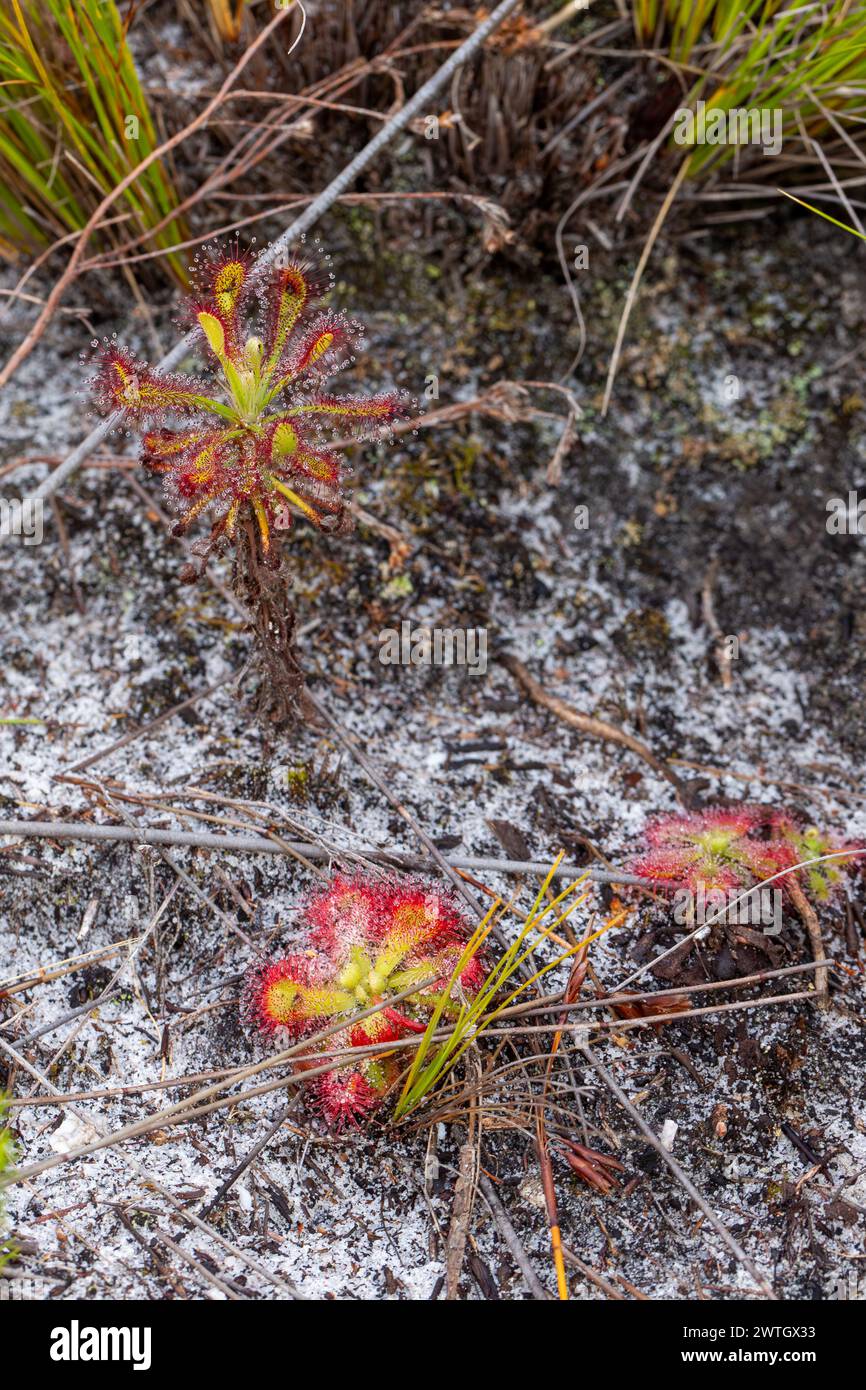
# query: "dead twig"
(512, 1240)
(595, 728)
(250, 1158)
(723, 659)
(809, 918)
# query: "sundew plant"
(730, 847)
(247, 445)
(396, 946)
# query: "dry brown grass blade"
(461, 1214)
(637, 277)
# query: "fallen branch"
(257, 844)
(595, 728)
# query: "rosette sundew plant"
(728, 849)
(402, 953)
(707, 849)
(248, 445)
(369, 942)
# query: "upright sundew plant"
(253, 454)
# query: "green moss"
(298, 782)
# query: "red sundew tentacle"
(420, 914)
(330, 333)
(286, 453)
(123, 382)
(674, 829)
(227, 282)
(368, 931)
(288, 290)
(352, 410)
(206, 469)
(318, 467)
(189, 516)
(350, 1093)
(346, 1097)
(163, 444)
(674, 868)
(221, 284)
(473, 977)
(275, 996)
(797, 843)
(385, 1026)
(295, 994)
(345, 914)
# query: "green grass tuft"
(74, 122)
(806, 61)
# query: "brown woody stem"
(809, 918)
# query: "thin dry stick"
(618, 1025)
(190, 1108)
(275, 844)
(588, 724)
(512, 1240)
(148, 729)
(169, 1083)
(190, 1217)
(349, 742)
(810, 920)
(708, 609)
(552, 1004)
(250, 1158)
(679, 1173)
(136, 1167)
(200, 1269)
(43, 974)
(592, 1275)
